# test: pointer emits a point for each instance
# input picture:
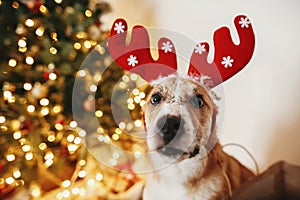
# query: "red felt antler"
(229, 58)
(136, 56)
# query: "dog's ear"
(214, 119)
(212, 140)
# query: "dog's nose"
(169, 127)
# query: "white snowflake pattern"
(200, 48)
(132, 61)
(227, 61)
(244, 22)
(119, 27)
(167, 47)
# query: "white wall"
(262, 102)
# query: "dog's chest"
(171, 184)
(164, 190)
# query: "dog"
(179, 117)
(180, 113)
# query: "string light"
(44, 102)
(12, 62)
(81, 35)
(2, 119)
(81, 173)
(15, 5)
(122, 125)
(43, 9)
(22, 49)
(115, 136)
(48, 163)
(93, 88)
(66, 194)
(82, 192)
(43, 146)
(129, 126)
(17, 135)
(82, 133)
(100, 130)
(130, 100)
(77, 140)
(73, 124)
(137, 99)
(35, 190)
(97, 77)
(131, 106)
(99, 113)
(72, 148)
(137, 154)
(125, 78)
(70, 138)
(77, 45)
(87, 44)
(54, 36)
(3, 128)
(81, 73)
(142, 103)
(29, 23)
(142, 95)
(82, 163)
(113, 162)
(75, 190)
(49, 156)
(22, 42)
(10, 157)
(99, 177)
(53, 50)
(51, 137)
(29, 60)
(57, 109)
(29, 156)
(9, 180)
(133, 77)
(27, 86)
(40, 31)
(58, 1)
(122, 85)
(20, 30)
(26, 148)
(138, 123)
(17, 173)
(135, 91)
(88, 13)
(116, 155)
(66, 183)
(91, 182)
(45, 111)
(52, 76)
(59, 196)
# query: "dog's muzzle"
(170, 127)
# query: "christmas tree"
(43, 48)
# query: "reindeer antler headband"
(228, 58)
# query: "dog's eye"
(197, 100)
(155, 99)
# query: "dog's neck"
(193, 178)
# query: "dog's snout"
(169, 127)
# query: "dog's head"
(179, 113)
(178, 116)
